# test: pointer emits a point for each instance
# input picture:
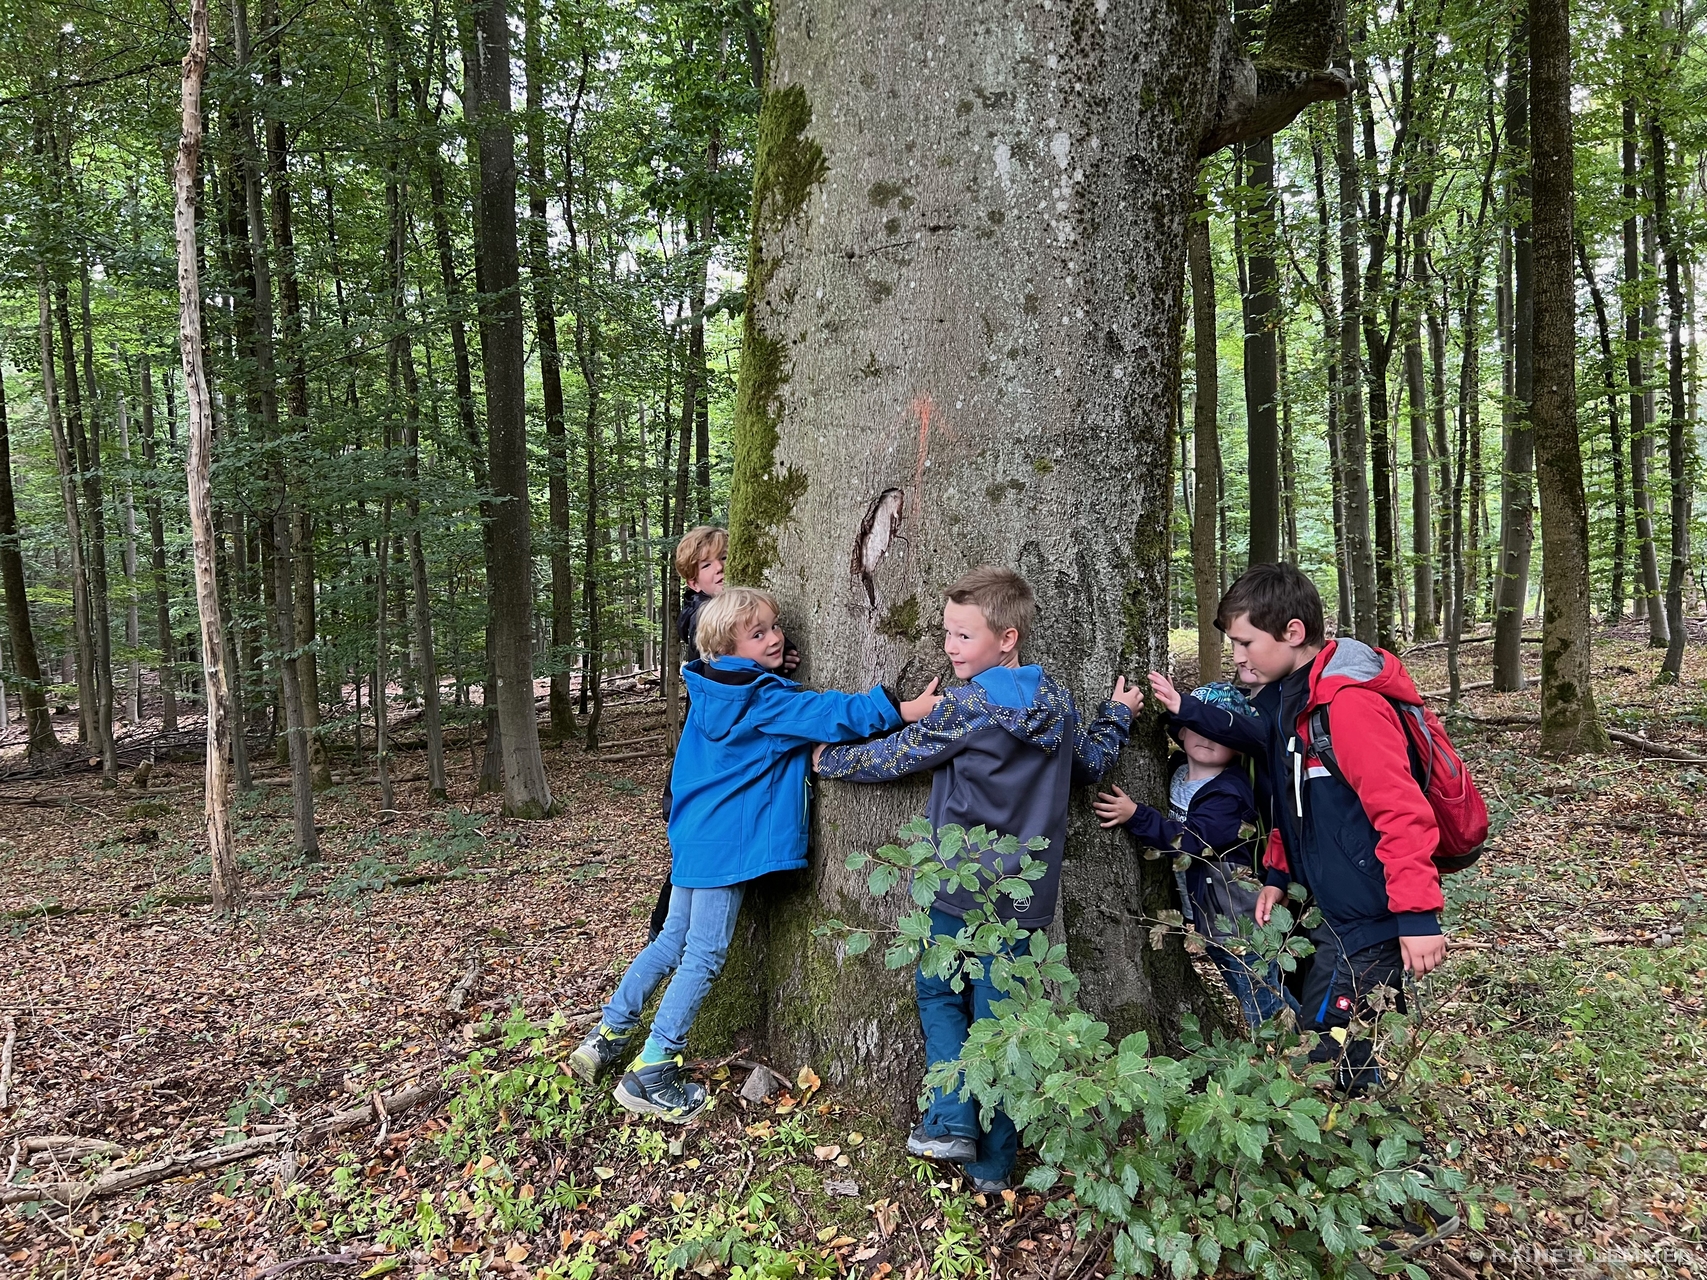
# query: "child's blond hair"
(1001, 595)
(724, 617)
(707, 542)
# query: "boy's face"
(1200, 750)
(970, 643)
(760, 640)
(1261, 658)
(708, 578)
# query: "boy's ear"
(1295, 633)
(1009, 640)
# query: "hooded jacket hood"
(1345, 663)
(1011, 696)
(722, 691)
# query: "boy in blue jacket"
(739, 812)
(1212, 817)
(1006, 748)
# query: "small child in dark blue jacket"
(739, 812)
(1212, 817)
(1006, 748)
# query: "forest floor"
(1569, 1046)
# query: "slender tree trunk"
(1354, 445)
(157, 543)
(32, 692)
(283, 574)
(86, 694)
(1679, 429)
(86, 452)
(1288, 454)
(1615, 431)
(1262, 368)
(1206, 440)
(562, 704)
(1344, 611)
(1647, 579)
(1517, 490)
(1569, 720)
(502, 350)
(217, 791)
(294, 358)
(132, 628)
(1422, 496)
(381, 659)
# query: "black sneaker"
(659, 1089)
(599, 1052)
(941, 1146)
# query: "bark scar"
(880, 527)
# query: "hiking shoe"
(599, 1052)
(1419, 1229)
(941, 1146)
(990, 1186)
(659, 1089)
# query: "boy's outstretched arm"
(1096, 745)
(1242, 733)
(922, 745)
(829, 715)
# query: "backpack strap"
(1322, 744)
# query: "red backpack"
(1459, 810)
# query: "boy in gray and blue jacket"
(739, 812)
(1007, 748)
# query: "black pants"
(660, 911)
(1337, 990)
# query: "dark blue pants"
(946, 1015)
(1336, 990)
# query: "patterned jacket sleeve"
(922, 745)
(1098, 744)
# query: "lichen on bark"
(787, 165)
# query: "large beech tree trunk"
(32, 693)
(965, 293)
(502, 351)
(1569, 721)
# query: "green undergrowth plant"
(1234, 1157)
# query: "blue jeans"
(1261, 995)
(946, 1015)
(693, 945)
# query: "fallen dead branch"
(1656, 750)
(72, 1194)
(630, 755)
(464, 986)
(6, 1060)
(346, 1259)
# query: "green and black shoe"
(660, 1089)
(599, 1052)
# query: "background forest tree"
(1374, 354)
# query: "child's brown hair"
(1001, 595)
(1272, 595)
(707, 542)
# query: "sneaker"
(941, 1146)
(1417, 1229)
(990, 1186)
(659, 1089)
(599, 1052)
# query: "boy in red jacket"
(1364, 847)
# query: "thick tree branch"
(1261, 96)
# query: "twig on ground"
(1657, 750)
(457, 997)
(6, 1060)
(628, 755)
(346, 1259)
(72, 1194)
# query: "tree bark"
(199, 429)
(1615, 432)
(1517, 488)
(1344, 611)
(132, 629)
(87, 698)
(307, 842)
(1678, 433)
(1647, 583)
(1354, 444)
(562, 706)
(1422, 496)
(1262, 369)
(1018, 329)
(1569, 720)
(157, 543)
(1206, 442)
(32, 692)
(502, 352)
(86, 454)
